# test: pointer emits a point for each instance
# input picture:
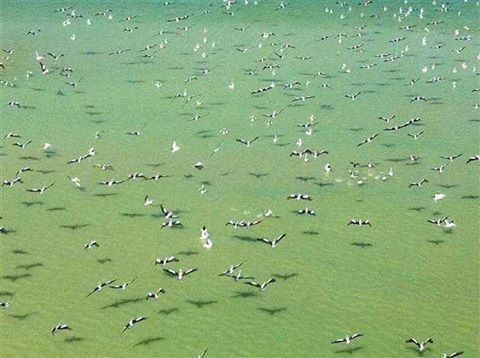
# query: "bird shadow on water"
(201, 304)
(168, 311)
(149, 341)
(7, 294)
(123, 302)
(30, 266)
(15, 278)
(245, 294)
(362, 245)
(32, 203)
(311, 232)
(104, 260)
(435, 242)
(272, 311)
(244, 238)
(22, 317)
(285, 276)
(73, 339)
(132, 215)
(74, 226)
(188, 253)
(417, 209)
(348, 350)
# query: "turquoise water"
(402, 277)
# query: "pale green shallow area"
(409, 278)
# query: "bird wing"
(340, 340)
(173, 272)
(264, 240)
(241, 141)
(189, 271)
(252, 283)
(280, 237)
(356, 335)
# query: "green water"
(398, 279)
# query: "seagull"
(452, 157)
(123, 286)
(147, 201)
(40, 190)
(247, 142)
(438, 196)
(201, 355)
(175, 147)
(418, 184)
(11, 183)
(273, 243)
(438, 221)
(448, 225)
(302, 98)
(354, 96)
(155, 295)
(111, 182)
(134, 321)
(22, 145)
(451, 355)
(368, 140)
(12, 135)
(306, 211)
(299, 196)
(55, 57)
(231, 269)
(260, 286)
(415, 136)
(165, 260)
(420, 345)
(473, 158)
(91, 244)
(180, 274)
(22, 170)
(100, 286)
(60, 327)
(4, 305)
(418, 99)
(359, 222)
(347, 339)
(167, 214)
(45, 70)
(440, 169)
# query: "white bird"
(133, 321)
(347, 339)
(420, 345)
(38, 57)
(175, 147)
(47, 147)
(147, 201)
(231, 86)
(438, 196)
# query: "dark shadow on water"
(349, 350)
(19, 252)
(245, 238)
(470, 197)
(447, 186)
(30, 266)
(417, 209)
(168, 311)
(272, 311)
(41, 171)
(305, 179)
(15, 278)
(132, 215)
(149, 341)
(123, 302)
(73, 339)
(104, 195)
(435, 242)
(311, 232)
(321, 185)
(104, 260)
(22, 317)
(201, 304)
(7, 294)
(362, 245)
(286, 276)
(245, 294)
(31, 203)
(74, 226)
(57, 208)
(258, 175)
(188, 253)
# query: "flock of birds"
(49, 65)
